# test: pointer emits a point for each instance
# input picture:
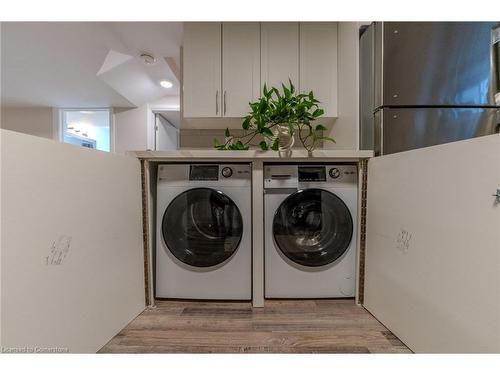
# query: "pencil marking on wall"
(58, 251)
(403, 240)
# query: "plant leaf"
(260, 123)
(263, 146)
(276, 144)
(318, 112)
(320, 128)
(266, 131)
(263, 105)
(227, 133)
(246, 123)
(327, 139)
(286, 91)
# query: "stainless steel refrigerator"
(427, 83)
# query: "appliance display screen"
(204, 173)
(312, 174)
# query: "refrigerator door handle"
(495, 64)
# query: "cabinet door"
(75, 251)
(279, 53)
(432, 246)
(241, 67)
(202, 70)
(318, 63)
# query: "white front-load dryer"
(310, 230)
(203, 232)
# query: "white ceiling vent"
(148, 58)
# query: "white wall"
(134, 127)
(36, 121)
(169, 102)
(81, 205)
(432, 270)
(345, 129)
(131, 129)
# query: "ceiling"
(56, 63)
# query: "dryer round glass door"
(313, 227)
(202, 227)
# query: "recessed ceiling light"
(166, 84)
(86, 112)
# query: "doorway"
(167, 135)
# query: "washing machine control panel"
(303, 175)
(204, 174)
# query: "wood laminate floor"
(305, 326)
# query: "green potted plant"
(274, 120)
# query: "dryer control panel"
(203, 172)
(312, 173)
(279, 176)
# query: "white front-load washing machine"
(203, 231)
(310, 230)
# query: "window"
(86, 128)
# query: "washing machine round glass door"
(202, 227)
(313, 227)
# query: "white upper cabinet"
(318, 63)
(225, 65)
(240, 67)
(202, 55)
(279, 53)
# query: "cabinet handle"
(217, 102)
(224, 102)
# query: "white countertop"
(248, 155)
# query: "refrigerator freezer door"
(402, 129)
(437, 63)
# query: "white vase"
(286, 140)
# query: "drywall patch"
(58, 251)
(403, 240)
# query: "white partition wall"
(72, 252)
(433, 246)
